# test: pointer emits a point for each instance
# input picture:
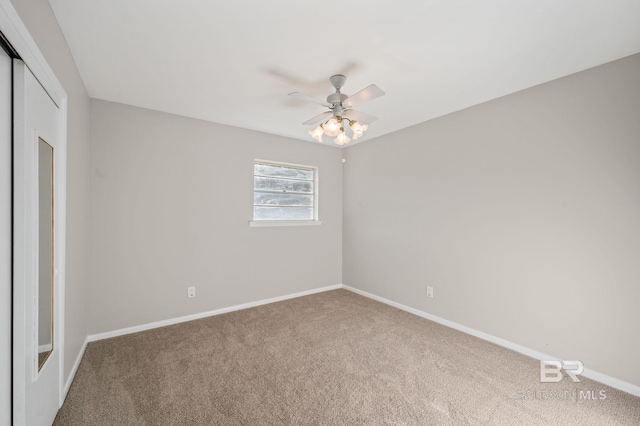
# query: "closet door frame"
(17, 35)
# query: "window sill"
(265, 223)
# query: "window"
(284, 194)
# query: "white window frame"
(265, 223)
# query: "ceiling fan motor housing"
(336, 103)
(336, 98)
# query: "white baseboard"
(594, 375)
(74, 370)
(171, 321)
(611, 381)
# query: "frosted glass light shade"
(358, 129)
(342, 139)
(332, 127)
(317, 133)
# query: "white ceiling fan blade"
(307, 98)
(319, 118)
(360, 117)
(366, 94)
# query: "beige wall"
(171, 198)
(523, 213)
(43, 27)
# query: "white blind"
(283, 192)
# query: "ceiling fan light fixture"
(335, 127)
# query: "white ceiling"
(234, 62)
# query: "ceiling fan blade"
(360, 117)
(304, 97)
(319, 118)
(366, 94)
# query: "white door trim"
(17, 34)
(5, 242)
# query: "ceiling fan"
(341, 112)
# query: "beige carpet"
(333, 358)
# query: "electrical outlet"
(191, 292)
(429, 291)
